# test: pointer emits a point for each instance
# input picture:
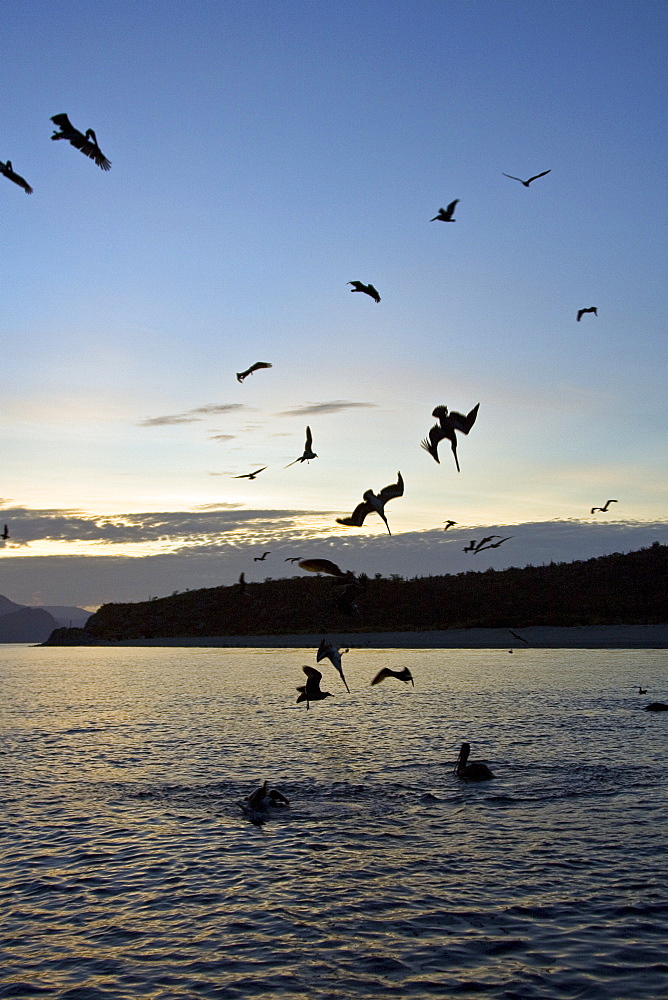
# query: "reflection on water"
(129, 869)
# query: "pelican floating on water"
(86, 142)
(475, 771)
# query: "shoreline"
(537, 636)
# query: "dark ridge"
(616, 589)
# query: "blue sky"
(265, 154)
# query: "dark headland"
(613, 601)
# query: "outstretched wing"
(373, 293)
(6, 169)
(381, 675)
(358, 286)
(536, 176)
(451, 207)
(464, 423)
(513, 178)
(312, 674)
(63, 123)
(357, 517)
(395, 490)
(321, 566)
(309, 439)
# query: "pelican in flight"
(494, 545)
(251, 475)
(253, 368)
(402, 675)
(449, 524)
(475, 771)
(449, 422)
(6, 169)
(589, 309)
(325, 566)
(85, 143)
(359, 286)
(262, 557)
(604, 509)
(526, 183)
(308, 450)
(311, 690)
(328, 651)
(374, 502)
(445, 214)
(520, 637)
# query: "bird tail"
(427, 445)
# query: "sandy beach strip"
(537, 636)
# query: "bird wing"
(373, 292)
(580, 314)
(89, 149)
(536, 176)
(63, 122)
(309, 439)
(357, 517)
(464, 423)
(451, 207)
(430, 444)
(381, 675)
(312, 674)
(513, 178)
(258, 365)
(357, 286)
(390, 492)
(321, 566)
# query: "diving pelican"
(253, 368)
(328, 651)
(359, 286)
(449, 422)
(86, 143)
(7, 170)
(374, 502)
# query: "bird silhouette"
(526, 183)
(325, 566)
(484, 541)
(264, 798)
(7, 170)
(449, 524)
(253, 368)
(359, 286)
(471, 547)
(5, 533)
(242, 585)
(401, 675)
(262, 557)
(373, 502)
(519, 637)
(85, 143)
(642, 690)
(589, 309)
(311, 690)
(292, 559)
(445, 214)
(251, 475)
(328, 651)
(604, 509)
(308, 450)
(475, 771)
(494, 545)
(449, 423)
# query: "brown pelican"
(308, 450)
(475, 771)
(471, 547)
(251, 475)
(6, 169)
(253, 368)
(449, 524)
(604, 509)
(526, 183)
(86, 143)
(448, 424)
(445, 214)
(324, 566)
(374, 502)
(642, 690)
(262, 557)
(589, 309)
(359, 286)
(328, 651)
(494, 545)
(401, 675)
(257, 805)
(484, 541)
(311, 690)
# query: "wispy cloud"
(221, 437)
(334, 406)
(190, 416)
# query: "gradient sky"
(263, 155)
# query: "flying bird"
(328, 651)
(85, 143)
(7, 170)
(445, 214)
(402, 675)
(484, 541)
(494, 545)
(359, 286)
(251, 475)
(475, 771)
(253, 368)
(262, 557)
(449, 423)
(308, 450)
(526, 183)
(374, 502)
(449, 524)
(589, 309)
(324, 566)
(311, 690)
(292, 559)
(520, 637)
(471, 547)
(604, 509)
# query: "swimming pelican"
(604, 509)
(374, 502)
(6, 169)
(85, 143)
(359, 286)
(328, 651)
(311, 690)
(402, 675)
(642, 690)
(308, 450)
(590, 309)
(475, 771)
(251, 475)
(449, 422)
(526, 183)
(656, 706)
(445, 214)
(262, 557)
(264, 797)
(253, 368)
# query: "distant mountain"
(22, 623)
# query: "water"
(130, 871)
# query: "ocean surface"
(129, 870)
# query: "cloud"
(221, 437)
(336, 405)
(190, 416)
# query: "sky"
(263, 156)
